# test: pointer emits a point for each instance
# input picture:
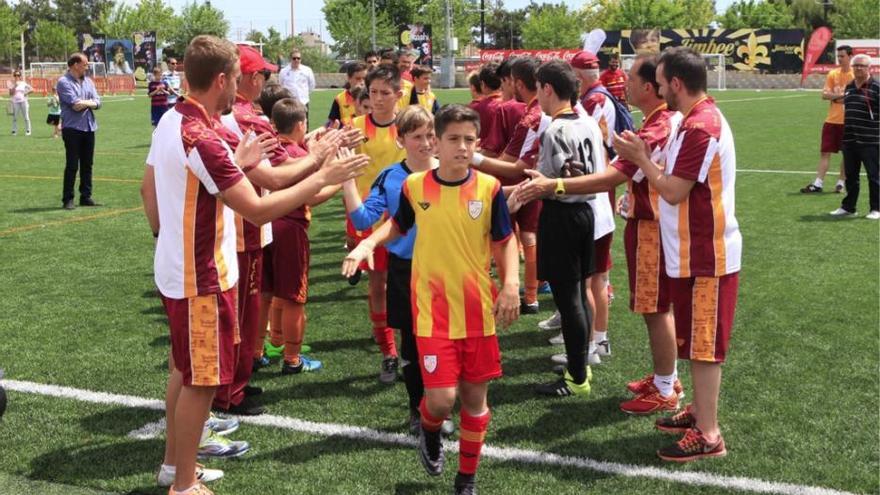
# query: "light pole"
(373, 23)
(292, 27)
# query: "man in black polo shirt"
(861, 138)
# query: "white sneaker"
(552, 323)
(557, 340)
(874, 215)
(221, 447)
(560, 358)
(603, 348)
(221, 425)
(840, 212)
(593, 357)
(165, 478)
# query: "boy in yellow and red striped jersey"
(421, 93)
(380, 144)
(344, 107)
(459, 213)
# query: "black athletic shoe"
(247, 407)
(68, 205)
(415, 424)
(811, 188)
(528, 308)
(354, 279)
(431, 452)
(465, 484)
(250, 390)
(88, 202)
(261, 363)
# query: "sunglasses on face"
(295, 58)
(860, 66)
(266, 74)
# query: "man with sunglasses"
(298, 78)
(861, 138)
(172, 82)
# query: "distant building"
(312, 39)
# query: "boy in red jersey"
(459, 212)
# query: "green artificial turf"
(798, 405)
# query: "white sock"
(169, 469)
(593, 347)
(840, 182)
(600, 335)
(664, 384)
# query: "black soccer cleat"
(465, 484)
(354, 279)
(431, 452)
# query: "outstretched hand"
(363, 251)
(538, 186)
(251, 150)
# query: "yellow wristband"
(560, 187)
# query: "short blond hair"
(205, 58)
(412, 118)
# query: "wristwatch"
(560, 187)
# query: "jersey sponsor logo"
(430, 362)
(475, 208)
(424, 205)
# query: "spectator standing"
(861, 138)
(371, 58)
(614, 79)
(158, 91)
(18, 91)
(172, 82)
(54, 117)
(832, 129)
(298, 78)
(79, 100)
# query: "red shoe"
(678, 423)
(650, 402)
(693, 446)
(640, 387)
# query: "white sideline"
(499, 453)
(759, 171)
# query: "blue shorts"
(156, 114)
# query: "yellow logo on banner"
(405, 37)
(752, 54)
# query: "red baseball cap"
(251, 61)
(583, 60)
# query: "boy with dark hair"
(371, 58)
(457, 211)
(362, 101)
(488, 105)
(476, 89)
(508, 113)
(380, 131)
(421, 93)
(570, 146)
(343, 108)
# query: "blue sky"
(260, 14)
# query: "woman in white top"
(18, 91)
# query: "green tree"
(275, 47)
(10, 33)
(855, 19)
(155, 15)
(503, 27)
(464, 18)
(53, 40)
(695, 14)
(80, 15)
(116, 22)
(196, 19)
(349, 23)
(808, 14)
(768, 14)
(667, 14)
(552, 26)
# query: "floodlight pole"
(373, 23)
(482, 24)
(292, 27)
(23, 71)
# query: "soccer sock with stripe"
(531, 273)
(471, 438)
(384, 335)
(430, 423)
(293, 327)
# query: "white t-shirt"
(301, 82)
(20, 91)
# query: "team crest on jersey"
(424, 205)
(475, 208)
(430, 363)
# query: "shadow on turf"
(41, 209)
(825, 218)
(87, 464)
(562, 418)
(353, 387)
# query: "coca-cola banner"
(760, 50)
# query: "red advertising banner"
(542, 55)
(818, 41)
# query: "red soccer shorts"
(527, 216)
(445, 362)
(380, 254)
(832, 138)
(204, 330)
(286, 269)
(648, 284)
(703, 308)
(602, 253)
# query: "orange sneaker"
(199, 489)
(639, 387)
(678, 423)
(650, 402)
(693, 446)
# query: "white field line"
(148, 431)
(499, 453)
(759, 171)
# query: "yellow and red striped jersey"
(343, 109)
(452, 292)
(701, 236)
